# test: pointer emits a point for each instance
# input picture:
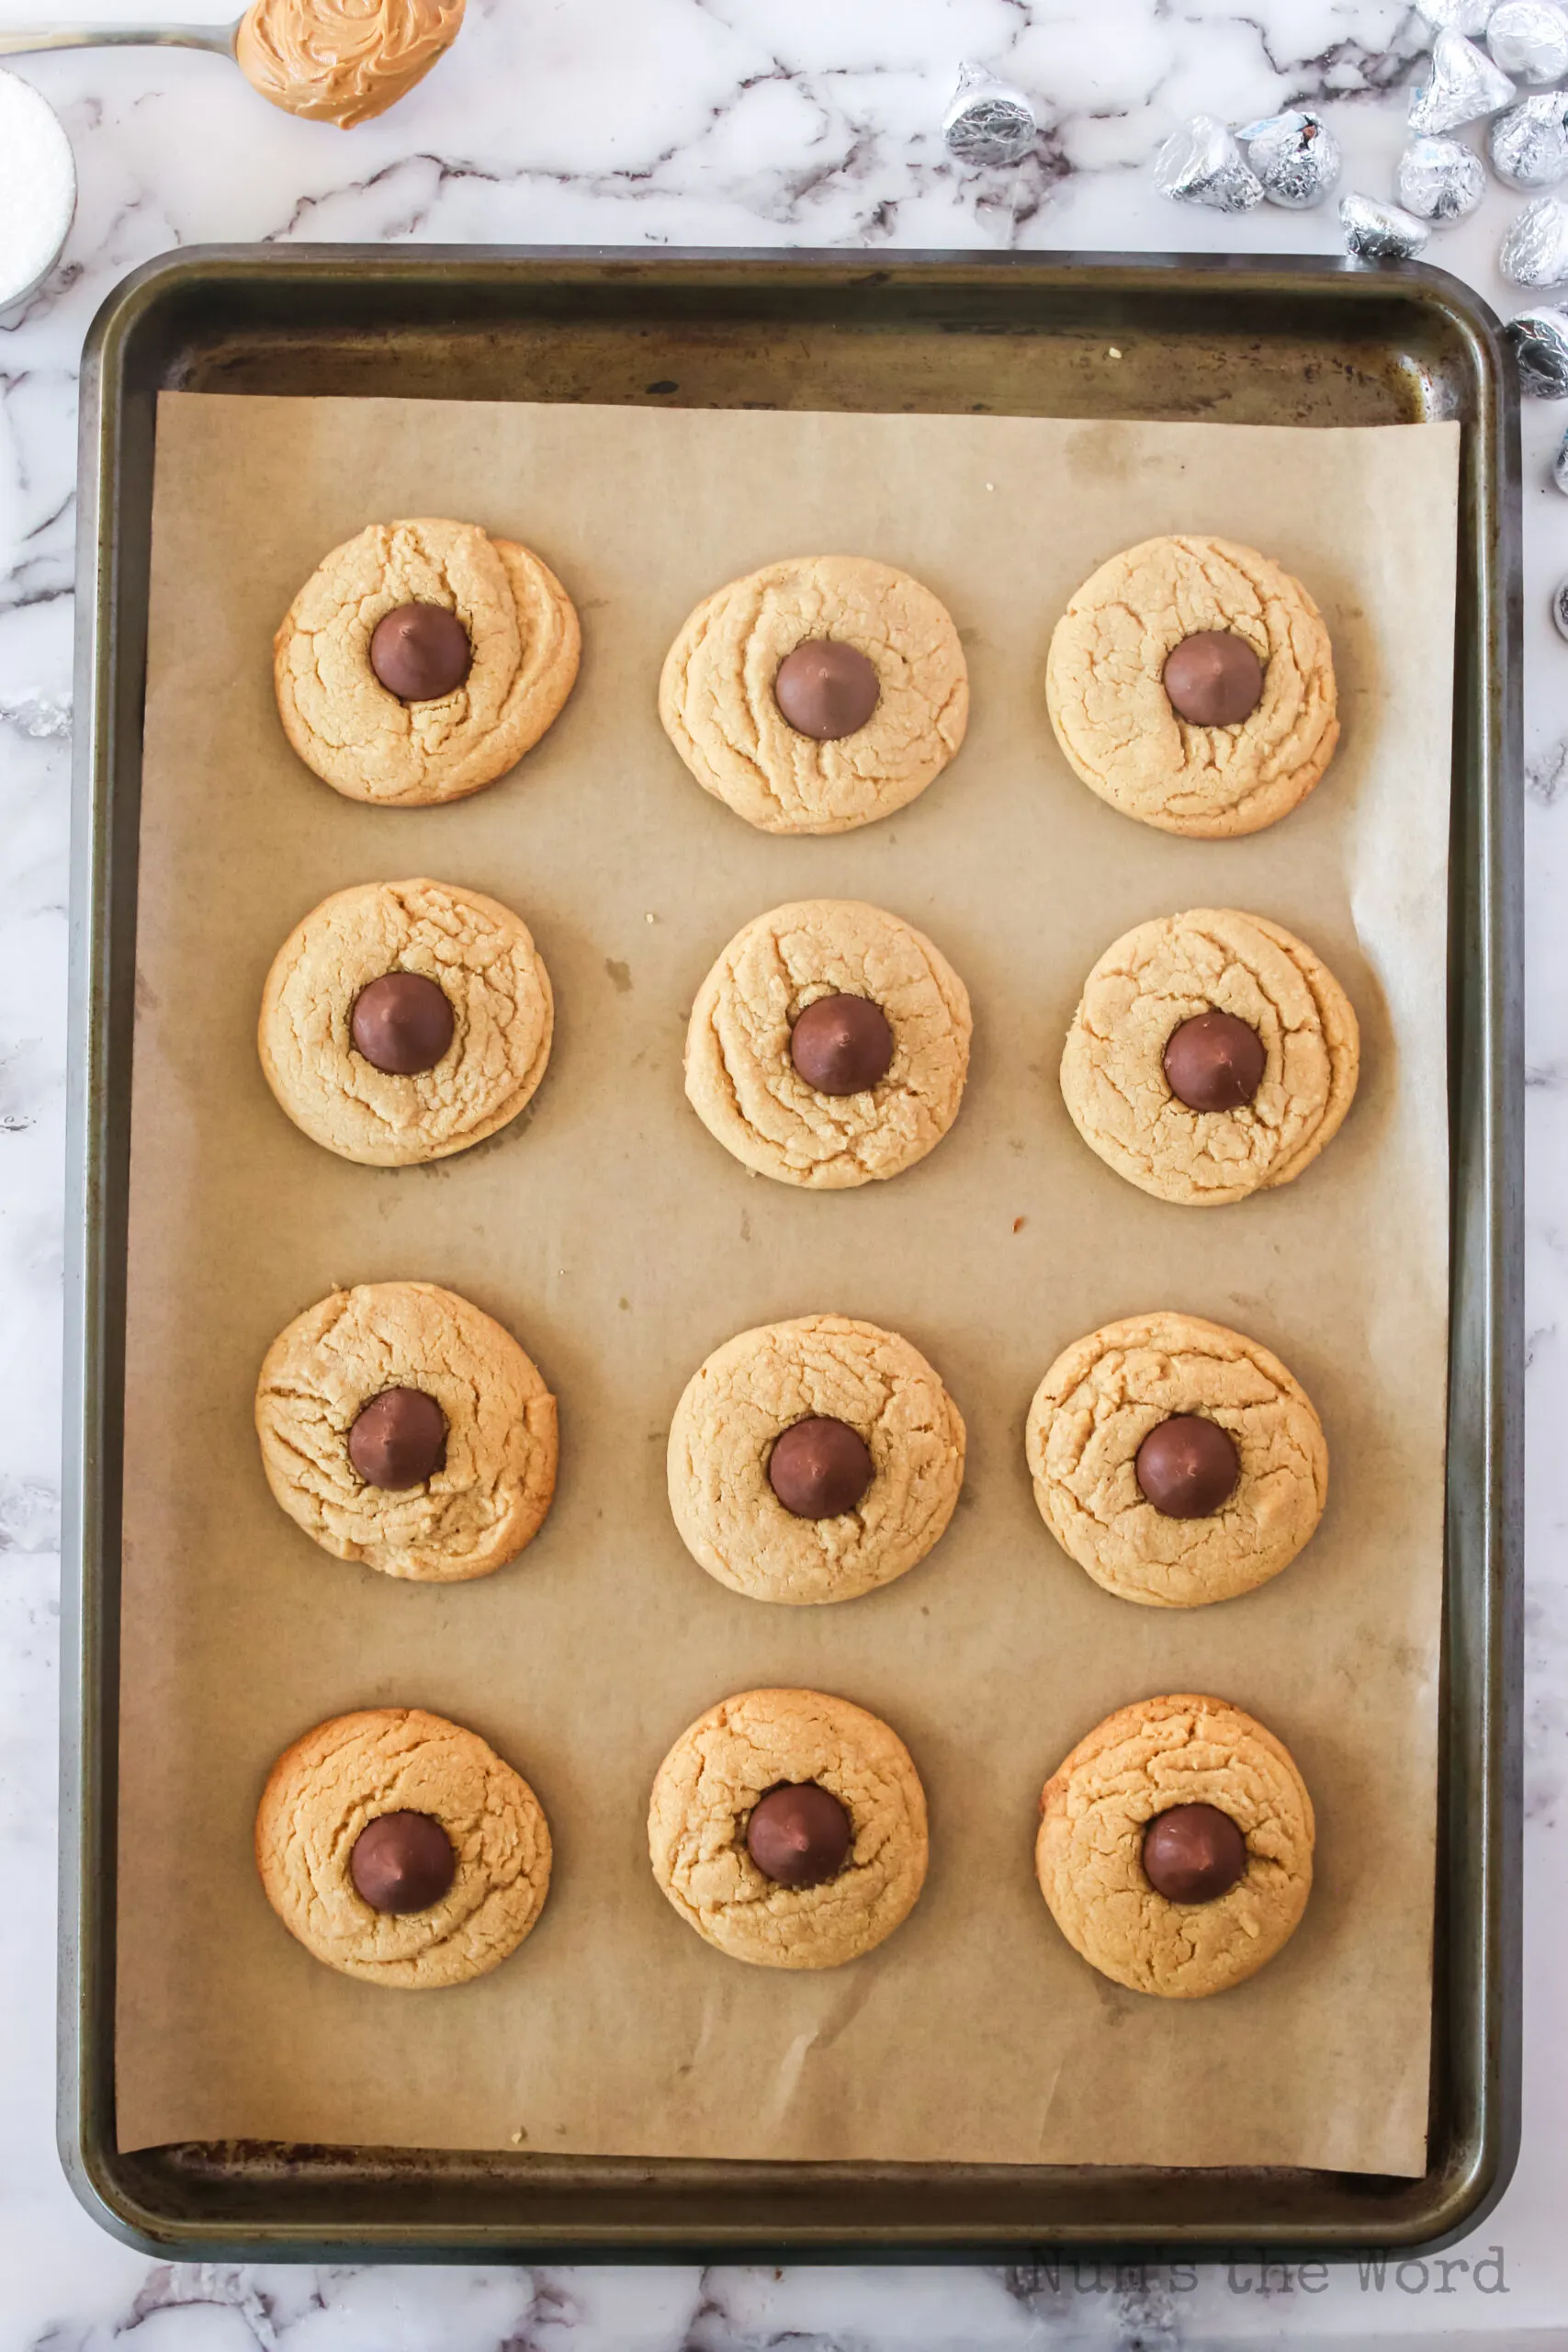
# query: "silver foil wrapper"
(1200, 164)
(1463, 86)
(1535, 250)
(1440, 180)
(1559, 466)
(1539, 338)
(987, 121)
(1380, 231)
(1528, 145)
(1528, 39)
(1469, 16)
(1295, 156)
(1560, 607)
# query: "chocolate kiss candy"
(1462, 86)
(402, 1861)
(1214, 678)
(987, 121)
(827, 689)
(398, 1439)
(1193, 1853)
(1529, 39)
(1528, 145)
(421, 652)
(1440, 180)
(1200, 164)
(1380, 231)
(842, 1045)
(402, 1023)
(1187, 1466)
(798, 1834)
(1295, 156)
(819, 1467)
(1539, 340)
(1535, 250)
(1468, 17)
(1214, 1062)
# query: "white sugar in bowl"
(38, 191)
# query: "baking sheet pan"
(1108, 2176)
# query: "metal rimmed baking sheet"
(1054, 2193)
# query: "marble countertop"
(697, 122)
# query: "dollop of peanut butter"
(343, 61)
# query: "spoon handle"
(20, 40)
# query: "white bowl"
(38, 191)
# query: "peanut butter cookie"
(402, 1426)
(1190, 684)
(1176, 1460)
(1211, 1055)
(420, 660)
(404, 1021)
(789, 1829)
(829, 1045)
(813, 1461)
(401, 1850)
(1175, 1847)
(817, 695)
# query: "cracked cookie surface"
(490, 1494)
(1098, 1402)
(715, 695)
(746, 1089)
(1106, 695)
(483, 958)
(361, 739)
(755, 1386)
(1166, 972)
(1088, 1854)
(702, 1801)
(324, 1790)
